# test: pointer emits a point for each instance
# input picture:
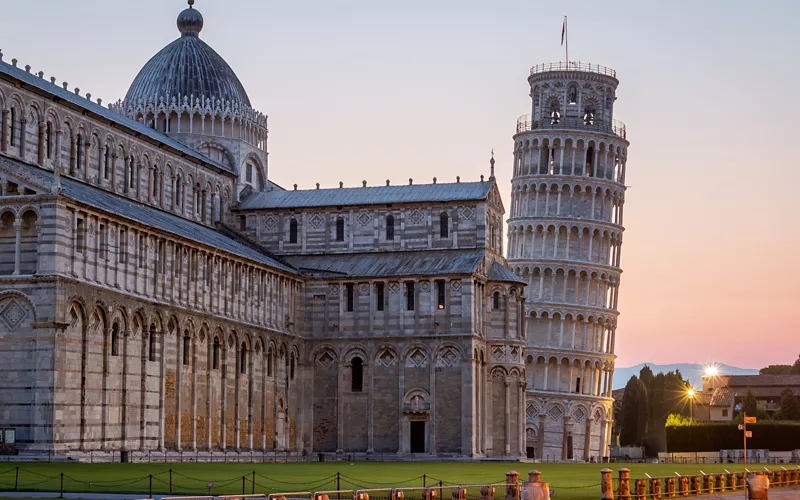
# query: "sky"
(369, 90)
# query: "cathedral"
(159, 293)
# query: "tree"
(634, 413)
(796, 366)
(789, 406)
(776, 370)
(677, 420)
(749, 404)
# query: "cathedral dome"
(187, 67)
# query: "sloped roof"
(499, 272)
(112, 116)
(762, 380)
(150, 216)
(374, 195)
(409, 263)
(722, 396)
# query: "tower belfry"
(564, 240)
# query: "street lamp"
(690, 393)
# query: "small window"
(123, 246)
(215, 355)
(243, 359)
(572, 94)
(48, 138)
(249, 173)
(348, 288)
(151, 352)
(588, 117)
(578, 385)
(142, 250)
(115, 339)
(496, 301)
(269, 363)
(107, 163)
(340, 228)
(555, 114)
(13, 126)
(389, 227)
(444, 225)
(357, 375)
(103, 243)
(409, 296)
(79, 153)
(155, 182)
(293, 231)
(724, 412)
(187, 349)
(291, 367)
(380, 292)
(80, 236)
(242, 223)
(131, 173)
(178, 191)
(441, 295)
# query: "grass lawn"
(570, 481)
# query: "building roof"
(385, 264)
(105, 113)
(499, 272)
(762, 380)
(149, 216)
(722, 396)
(374, 195)
(187, 67)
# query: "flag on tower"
(563, 30)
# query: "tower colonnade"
(565, 242)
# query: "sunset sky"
(376, 89)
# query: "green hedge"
(725, 436)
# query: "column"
(17, 245)
(162, 390)
(521, 419)
(508, 418)
(194, 395)
(236, 398)
(587, 439)
(340, 392)
(564, 441)
(542, 432)
(179, 365)
(371, 388)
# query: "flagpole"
(566, 38)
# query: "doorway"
(569, 447)
(417, 436)
(531, 452)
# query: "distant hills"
(691, 371)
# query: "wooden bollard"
(708, 483)
(624, 484)
(669, 487)
(430, 494)
(794, 474)
(697, 489)
(683, 486)
(535, 476)
(362, 496)
(397, 495)
(640, 488)
(320, 496)
(487, 493)
(459, 493)
(512, 485)
(720, 482)
(730, 480)
(606, 485)
(655, 488)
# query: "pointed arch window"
(588, 116)
(151, 351)
(390, 227)
(178, 190)
(79, 152)
(444, 225)
(243, 359)
(48, 138)
(131, 173)
(291, 367)
(572, 94)
(496, 301)
(555, 114)
(13, 126)
(215, 354)
(187, 349)
(155, 182)
(270, 355)
(293, 231)
(356, 375)
(106, 163)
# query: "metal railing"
(573, 66)
(525, 123)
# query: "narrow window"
(444, 225)
(187, 348)
(291, 368)
(269, 363)
(409, 296)
(142, 250)
(13, 126)
(357, 375)
(178, 191)
(151, 354)
(48, 137)
(440, 294)
(573, 94)
(131, 174)
(249, 173)
(155, 182)
(79, 236)
(555, 114)
(79, 153)
(589, 161)
(293, 231)
(350, 299)
(243, 359)
(215, 355)
(115, 340)
(123, 246)
(340, 228)
(389, 227)
(578, 385)
(242, 223)
(380, 291)
(496, 301)
(103, 241)
(107, 163)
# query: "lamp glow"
(711, 371)
(690, 393)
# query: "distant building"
(726, 393)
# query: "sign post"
(747, 434)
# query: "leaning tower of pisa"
(565, 237)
